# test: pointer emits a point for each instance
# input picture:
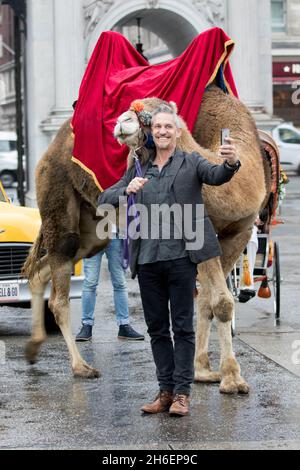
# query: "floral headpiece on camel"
(143, 116)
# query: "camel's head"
(133, 126)
(127, 129)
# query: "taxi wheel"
(50, 323)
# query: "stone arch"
(163, 20)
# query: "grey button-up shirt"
(156, 193)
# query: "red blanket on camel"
(117, 75)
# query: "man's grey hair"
(168, 109)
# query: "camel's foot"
(207, 376)
(31, 350)
(85, 371)
(232, 382)
(231, 385)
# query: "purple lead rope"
(130, 203)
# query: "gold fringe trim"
(90, 172)
(221, 60)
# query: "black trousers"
(160, 283)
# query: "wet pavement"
(44, 407)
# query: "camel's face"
(127, 130)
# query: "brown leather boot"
(162, 403)
(180, 405)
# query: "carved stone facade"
(93, 12)
(213, 10)
(152, 3)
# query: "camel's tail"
(31, 264)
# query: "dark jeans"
(160, 283)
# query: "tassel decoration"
(271, 254)
(264, 291)
(246, 272)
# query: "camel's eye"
(127, 119)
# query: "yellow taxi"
(19, 226)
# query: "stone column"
(243, 28)
(40, 82)
(249, 24)
(68, 60)
(266, 54)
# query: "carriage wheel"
(276, 283)
(233, 289)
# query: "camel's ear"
(174, 106)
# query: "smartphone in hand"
(224, 133)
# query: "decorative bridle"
(131, 203)
(144, 118)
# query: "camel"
(232, 208)
(67, 199)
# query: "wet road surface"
(43, 406)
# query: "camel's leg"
(234, 242)
(59, 267)
(37, 286)
(231, 382)
(203, 372)
(221, 303)
(61, 270)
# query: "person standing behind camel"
(92, 268)
(167, 268)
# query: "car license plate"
(9, 292)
